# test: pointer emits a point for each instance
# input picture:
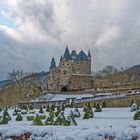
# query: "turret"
(73, 55)
(67, 55)
(53, 64)
(89, 56)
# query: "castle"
(72, 74)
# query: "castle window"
(67, 63)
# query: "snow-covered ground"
(55, 97)
(111, 121)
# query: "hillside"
(31, 87)
(131, 75)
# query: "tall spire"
(61, 58)
(89, 55)
(53, 64)
(67, 55)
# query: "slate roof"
(53, 64)
(81, 56)
(73, 56)
(67, 55)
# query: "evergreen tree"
(91, 114)
(137, 115)
(24, 107)
(133, 107)
(49, 120)
(37, 120)
(19, 117)
(31, 107)
(4, 120)
(41, 110)
(48, 108)
(94, 105)
(6, 114)
(71, 118)
(76, 112)
(58, 111)
(72, 104)
(52, 107)
(98, 108)
(89, 106)
(0, 110)
(63, 107)
(86, 113)
(104, 104)
(15, 112)
(58, 120)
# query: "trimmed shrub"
(15, 112)
(30, 118)
(98, 108)
(137, 115)
(6, 114)
(4, 120)
(71, 118)
(94, 105)
(37, 120)
(31, 107)
(52, 108)
(41, 110)
(19, 117)
(49, 120)
(23, 112)
(31, 111)
(23, 107)
(42, 117)
(63, 107)
(104, 104)
(58, 120)
(76, 112)
(48, 108)
(133, 107)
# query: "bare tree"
(17, 77)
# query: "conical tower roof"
(67, 55)
(53, 64)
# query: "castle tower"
(73, 55)
(53, 64)
(67, 55)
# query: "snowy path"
(108, 121)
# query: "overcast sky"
(32, 31)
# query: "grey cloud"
(109, 28)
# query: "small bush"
(37, 120)
(133, 107)
(42, 117)
(30, 118)
(49, 120)
(4, 120)
(19, 117)
(98, 108)
(23, 112)
(104, 104)
(31, 107)
(41, 110)
(137, 115)
(6, 114)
